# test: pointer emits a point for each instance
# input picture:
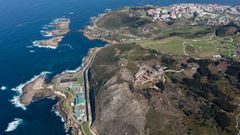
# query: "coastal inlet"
(53, 33)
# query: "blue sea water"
(21, 22)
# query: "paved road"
(87, 85)
(174, 71)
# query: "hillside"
(202, 99)
(177, 78)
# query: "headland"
(71, 90)
(168, 70)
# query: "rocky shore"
(90, 37)
(38, 89)
(55, 32)
(35, 90)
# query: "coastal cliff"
(61, 88)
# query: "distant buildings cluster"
(211, 14)
(80, 102)
(147, 75)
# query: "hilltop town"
(209, 14)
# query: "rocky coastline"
(136, 101)
(38, 89)
(54, 32)
(35, 90)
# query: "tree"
(160, 85)
(222, 119)
(168, 60)
(204, 71)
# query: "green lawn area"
(203, 47)
(173, 45)
(66, 106)
(81, 79)
(183, 31)
(65, 102)
(86, 128)
(70, 92)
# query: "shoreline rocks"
(35, 90)
(54, 32)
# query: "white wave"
(67, 45)
(16, 99)
(75, 70)
(3, 88)
(32, 51)
(36, 43)
(57, 113)
(14, 124)
(46, 33)
(45, 27)
(108, 10)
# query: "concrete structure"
(148, 75)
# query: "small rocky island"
(54, 33)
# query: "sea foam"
(77, 69)
(68, 45)
(32, 51)
(36, 43)
(56, 112)
(3, 88)
(14, 124)
(18, 89)
(62, 119)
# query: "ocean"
(21, 22)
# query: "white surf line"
(68, 45)
(62, 119)
(75, 70)
(14, 124)
(57, 113)
(36, 44)
(16, 99)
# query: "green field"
(86, 128)
(168, 45)
(202, 47)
